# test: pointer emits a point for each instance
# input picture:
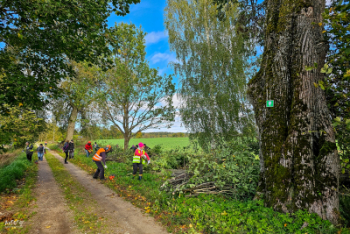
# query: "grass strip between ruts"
(24, 202)
(78, 199)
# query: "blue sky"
(149, 14)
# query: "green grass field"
(167, 143)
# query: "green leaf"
(321, 86)
(308, 68)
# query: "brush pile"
(230, 173)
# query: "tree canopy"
(39, 38)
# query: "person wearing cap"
(98, 158)
(140, 157)
(88, 148)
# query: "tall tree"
(298, 155)
(134, 97)
(38, 37)
(212, 68)
(76, 96)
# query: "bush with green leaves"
(13, 172)
(169, 159)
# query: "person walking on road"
(66, 149)
(71, 149)
(88, 148)
(41, 151)
(140, 157)
(29, 151)
(98, 158)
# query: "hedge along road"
(129, 218)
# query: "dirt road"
(53, 215)
(129, 218)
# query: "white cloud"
(162, 71)
(176, 101)
(177, 126)
(163, 57)
(155, 37)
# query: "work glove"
(106, 166)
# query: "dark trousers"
(100, 170)
(136, 166)
(66, 152)
(71, 154)
(29, 156)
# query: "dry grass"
(7, 158)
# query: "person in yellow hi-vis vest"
(98, 158)
(140, 157)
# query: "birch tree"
(212, 69)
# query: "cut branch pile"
(181, 183)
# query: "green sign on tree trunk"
(269, 103)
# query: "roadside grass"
(78, 199)
(167, 143)
(8, 157)
(205, 213)
(14, 171)
(18, 202)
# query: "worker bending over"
(98, 158)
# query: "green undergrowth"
(204, 213)
(6, 158)
(23, 197)
(78, 199)
(13, 172)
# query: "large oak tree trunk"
(298, 157)
(71, 123)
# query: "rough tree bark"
(71, 123)
(298, 157)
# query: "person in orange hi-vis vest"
(140, 157)
(98, 158)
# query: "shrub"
(170, 159)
